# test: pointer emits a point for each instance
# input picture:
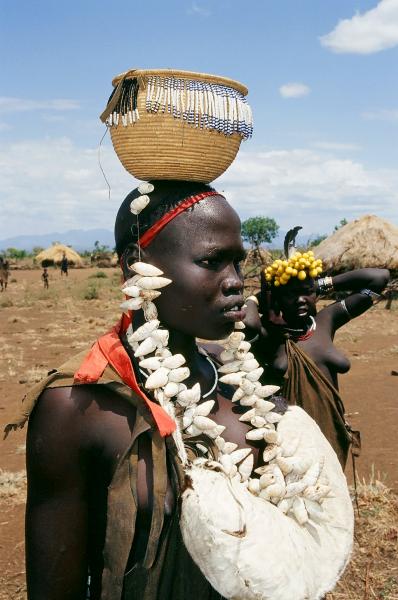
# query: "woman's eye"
(210, 262)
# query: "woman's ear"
(132, 254)
(129, 257)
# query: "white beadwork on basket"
(201, 104)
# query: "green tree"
(100, 248)
(316, 240)
(341, 224)
(36, 250)
(258, 230)
(15, 253)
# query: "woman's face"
(200, 251)
(296, 300)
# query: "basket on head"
(168, 124)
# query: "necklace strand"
(290, 479)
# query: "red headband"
(152, 232)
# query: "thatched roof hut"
(260, 257)
(53, 256)
(366, 242)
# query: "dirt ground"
(40, 329)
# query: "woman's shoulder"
(82, 411)
(75, 428)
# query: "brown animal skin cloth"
(166, 572)
(305, 385)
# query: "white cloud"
(382, 114)
(4, 126)
(336, 146)
(303, 187)
(9, 104)
(199, 10)
(294, 90)
(53, 185)
(372, 31)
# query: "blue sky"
(323, 85)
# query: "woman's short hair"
(166, 196)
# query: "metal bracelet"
(344, 306)
(325, 285)
(370, 294)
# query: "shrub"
(91, 293)
(98, 275)
(6, 303)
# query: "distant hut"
(366, 242)
(53, 256)
(258, 256)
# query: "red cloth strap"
(153, 231)
(108, 349)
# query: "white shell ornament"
(145, 187)
(234, 564)
(145, 269)
(153, 283)
(138, 204)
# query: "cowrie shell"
(145, 269)
(170, 389)
(157, 379)
(146, 347)
(151, 363)
(146, 187)
(232, 378)
(174, 361)
(153, 283)
(132, 304)
(246, 467)
(179, 374)
(138, 204)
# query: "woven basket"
(160, 146)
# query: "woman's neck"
(181, 343)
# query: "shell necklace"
(213, 387)
(290, 479)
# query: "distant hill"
(79, 239)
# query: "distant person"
(44, 277)
(64, 265)
(4, 272)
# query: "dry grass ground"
(40, 329)
(373, 571)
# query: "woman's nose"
(233, 283)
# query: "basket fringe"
(200, 104)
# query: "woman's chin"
(219, 333)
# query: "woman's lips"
(235, 313)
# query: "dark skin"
(77, 434)
(291, 305)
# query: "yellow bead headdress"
(297, 264)
(300, 265)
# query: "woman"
(104, 479)
(77, 434)
(296, 342)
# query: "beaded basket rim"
(145, 73)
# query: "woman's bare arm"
(57, 512)
(359, 301)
